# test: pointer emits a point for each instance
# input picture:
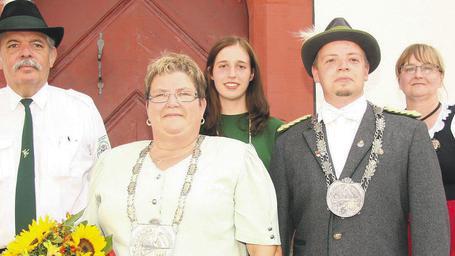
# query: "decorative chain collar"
(373, 161)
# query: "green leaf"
(73, 218)
(57, 240)
(108, 246)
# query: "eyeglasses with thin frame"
(180, 96)
(426, 68)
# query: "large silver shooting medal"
(152, 240)
(345, 198)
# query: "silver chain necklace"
(131, 209)
(345, 198)
(249, 131)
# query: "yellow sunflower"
(88, 240)
(42, 227)
(52, 250)
(26, 241)
(8, 253)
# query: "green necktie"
(25, 186)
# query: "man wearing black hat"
(49, 137)
(350, 179)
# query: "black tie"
(25, 186)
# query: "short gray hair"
(50, 42)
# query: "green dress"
(236, 127)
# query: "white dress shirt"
(341, 127)
(232, 199)
(68, 135)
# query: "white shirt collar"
(439, 125)
(353, 111)
(40, 98)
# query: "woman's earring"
(148, 122)
(202, 121)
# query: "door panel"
(134, 32)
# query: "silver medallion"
(345, 198)
(152, 240)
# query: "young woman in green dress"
(236, 105)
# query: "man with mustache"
(350, 179)
(49, 137)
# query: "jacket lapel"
(310, 137)
(361, 145)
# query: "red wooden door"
(134, 32)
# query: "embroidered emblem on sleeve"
(103, 145)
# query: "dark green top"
(236, 127)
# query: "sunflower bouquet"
(46, 237)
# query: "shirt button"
(154, 201)
(337, 236)
(158, 176)
(269, 229)
(272, 237)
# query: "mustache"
(27, 62)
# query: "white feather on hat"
(307, 33)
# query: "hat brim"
(366, 41)
(56, 33)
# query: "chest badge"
(436, 144)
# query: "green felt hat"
(340, 30)
(23, 15)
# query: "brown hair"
(256, 102)
(423, 53)
(173, 62)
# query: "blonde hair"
(423, 53)
(169, 63)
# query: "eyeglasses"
(181, 96)
(426, 69)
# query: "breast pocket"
(63, 155)
(63, 181)
(7, 158)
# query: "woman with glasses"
(183, 193)
(420, 73)
(236, 104)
